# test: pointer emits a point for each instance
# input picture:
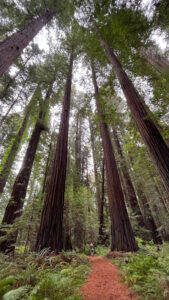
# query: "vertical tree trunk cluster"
(8, 161)
(122, 233)
(156, 146)
(50, 233)
(15, 205)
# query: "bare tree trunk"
(101, 219)
(133, 203)
(148, 218)
(159, 62)
(98, 188)
(50, 233)
(15, 205)
(12, 46)
(8, 161)
(78, 153)
(67, 227)
(77, 156)
(122, 233)
(46, 171)
(156, 146)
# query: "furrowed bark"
(153, 140)
(50, 233)
(12, 46)
(122, 233)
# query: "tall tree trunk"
(160, 63)
(156, 146)
(133, 203)
(12, 105)
(67, 228)
(11, 80)
(96, 173)
(122, 233)
(8, 160)
(15, 205)
(46, 171)
(12, 46)
(148, 218)
(101, 219)
(78, 161)
(158, 126)
(50, 233)
(78, 146)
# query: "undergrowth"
(101, 250)
(147, 271)
(38, 277)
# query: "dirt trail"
(103, 282)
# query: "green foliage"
(37, 277)
(101, 250)
(16, 294)
(147, 272)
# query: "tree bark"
(8, 162)
(78, 147)
(50, 233)
(160, 63)
(101, 219)
(153, 140)
(15, 205)
(12, 46)
(96, 172)
(133, 203)
(46, 171)
(122, 233)
(148, 218)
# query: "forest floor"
(103, 282)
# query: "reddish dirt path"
(103, 282)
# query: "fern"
(17, 294)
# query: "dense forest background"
(84, 136)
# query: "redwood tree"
(159, 62)
(50, 233)
(132, 198)
(122, 233)
(8, 160)
(15, 205)
(12, 46)
(156, 146)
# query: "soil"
(103, 282)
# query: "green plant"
(101, 250)
(37, 277)
(147, 271)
